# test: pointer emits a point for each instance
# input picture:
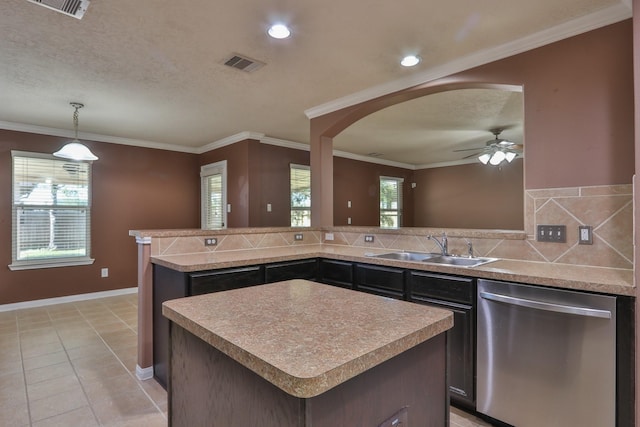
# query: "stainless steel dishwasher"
(546, 357)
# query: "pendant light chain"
(77, 106)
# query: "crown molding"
(65, 133)
(284, 143)
(242, 136)
(370, 159)
(571, 28)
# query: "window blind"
(51, 208)
(213, 214)
(213, 195)
(300, 190)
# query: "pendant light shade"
(74, 150)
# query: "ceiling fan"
(495, 150)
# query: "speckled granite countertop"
(305, 337)
(594, 279)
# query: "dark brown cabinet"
(337, 273)
(456, 294)
(379, 280)
(287, 270)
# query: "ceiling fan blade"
(471, 155)
(470, 149)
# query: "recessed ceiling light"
(279, 31)
(410, 61)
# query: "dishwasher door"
(546, 357)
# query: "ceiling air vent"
(243, 63)
(75, 8)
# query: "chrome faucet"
(444, 246)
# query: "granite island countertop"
(566, 276)
(305, 337)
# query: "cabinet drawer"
(385, 280)
(448, 288)
(339, 273)
(223, 280)
(303, 269)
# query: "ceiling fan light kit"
(496, 150)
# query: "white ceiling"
(151, 73)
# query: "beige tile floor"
(73, 365)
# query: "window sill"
(50, 263)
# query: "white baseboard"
(144, 373)
(70, 298)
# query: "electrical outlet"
(104, 272)
(585, 235)
(552, 233)
(268, 207)
(298, 236)
(348, 203)
(210, 241)
(328, 236)
(349, 221)
(368, 238)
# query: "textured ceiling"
(150, 71)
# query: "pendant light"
(74, 150)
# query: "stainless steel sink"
(407, 256)
(459, 261)
(436, 258)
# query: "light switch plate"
(551, 233)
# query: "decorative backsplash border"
(607, 209)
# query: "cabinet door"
(222, 280)
(385, 281)
(442, 287)
(338, 273)
(303, 269)
(461, 359)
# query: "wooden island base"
(208, 388)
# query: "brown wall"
(360, 182)
(578, 108)
(470, 196)
(257, 174)
(133, 188)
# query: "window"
(300, 183)
(214, 195)
(390, 202)
(51, 211)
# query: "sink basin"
(458, 260)
(407, 256)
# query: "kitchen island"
(299, 353)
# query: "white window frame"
(205, 172)
(293, 166)
(399, 201)
(17, 264)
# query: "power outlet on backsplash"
(210, 241)
(298, 236)
(368, 238)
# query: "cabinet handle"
(541, 305)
